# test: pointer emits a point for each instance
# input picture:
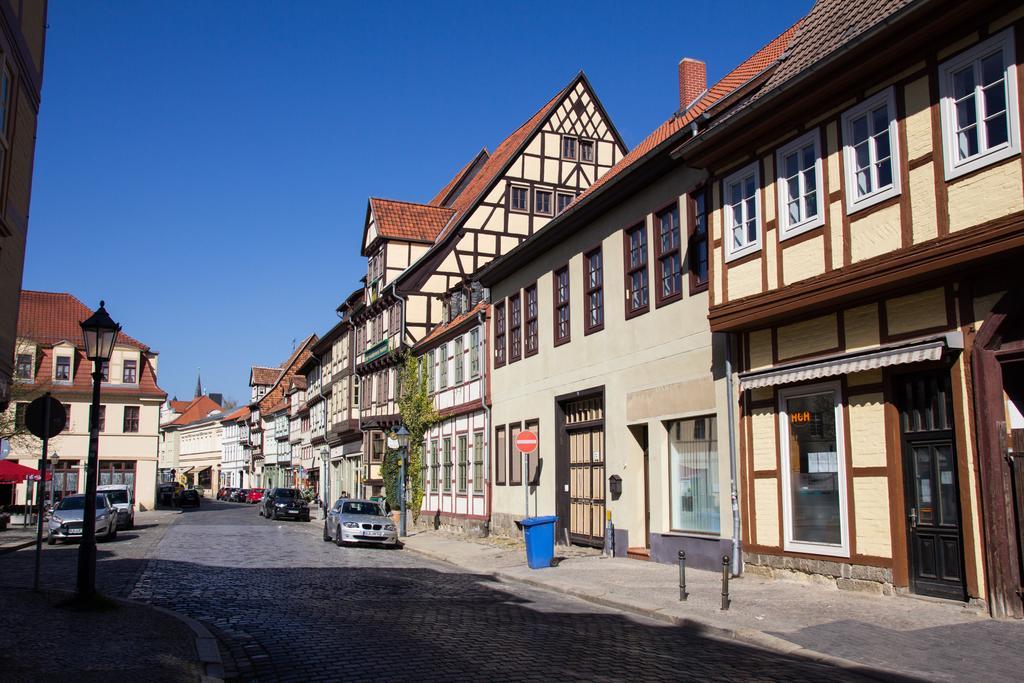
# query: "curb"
(749, 636)
(206, 644)
(20, 546)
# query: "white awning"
(899, 353)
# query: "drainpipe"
(482, 319)
(737, 563)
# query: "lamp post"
(54, 459)
(325, 479)
(402, 434)
(100, 333)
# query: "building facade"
(235, 455)
(22, 42)
(418, 254)
(50, 357)
(865, 210)
(454, 475)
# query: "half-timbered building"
(865, 207)
(456, 491)
(600, 345)
(417, 254)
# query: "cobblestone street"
(288, 606)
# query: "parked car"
(352, 520)
(167, 493)
(123, 499)
(254, 496)
(238, 495)
(285, 503)
(67, 517)
(223, 492)
(189, 498)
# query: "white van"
(123, 500)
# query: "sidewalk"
(903, 636)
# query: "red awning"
(13, 473)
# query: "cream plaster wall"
(867, 428)
(871, 510)
(745, 279)
(808, 336)
(875, 234)
(918, 311)
(860, 327)
(991, 193)
(766, 511)
(653, 368)
(803, 260)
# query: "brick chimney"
(693, 80)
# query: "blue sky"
(204, 166)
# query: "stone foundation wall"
(842, 575)
(504, 524)
(477, 528)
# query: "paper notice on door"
(947, 478)
(822, 462)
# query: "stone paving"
(935, 640)
(129, 642)
(287, 606)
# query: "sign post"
(45, 418)
(526, 442)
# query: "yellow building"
(865, 205)
(50, 357)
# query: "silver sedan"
(66, 520)
(352, 520)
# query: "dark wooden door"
(934, 537)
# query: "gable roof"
(49, 318)
(198, 409)
(409, 221)
(658, 142)
(261, 375)
(288, 368)
(439, 331)
(444, 197)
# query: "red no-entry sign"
(526, 442)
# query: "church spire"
(199, 384)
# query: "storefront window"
(693, 459)
(814, 471)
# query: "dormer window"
(62, 372)
(105, 371)
(24, 369)
(129, 375)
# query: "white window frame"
(853, 202)
(730, 253)
(954, 168)
(790, 545)
(786, 230)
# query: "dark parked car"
(225, 493)
(285, 503)
(254, 496)
(238, 495)
(189, 498)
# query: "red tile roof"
(408, 221)
(742, 74)
(239, 415)
(180, 406)
(504, 154)
(440, 197)
(52, 317)
(263, 375)
(81, 379)
(198, 409)
(288, 368)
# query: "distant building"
(49, 357)
(22, 36)
(235, 452)
(185, 450)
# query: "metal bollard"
(682, 575)
(725, 583)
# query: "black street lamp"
(100, 333)
(402, 435)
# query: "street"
(287, 606)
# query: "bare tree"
(12, 428)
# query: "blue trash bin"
(540, 541)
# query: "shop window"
(693, 459)
(814, 470)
